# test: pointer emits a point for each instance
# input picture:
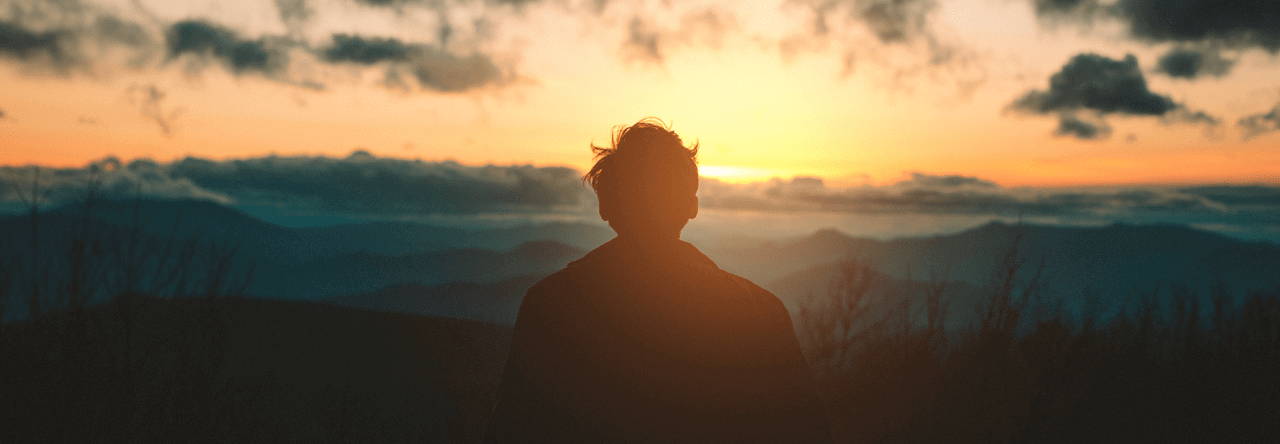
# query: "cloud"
(1232, 23)
(1050, 7)
(1262, 123)
(897, 34)
(150, 101)
(26, 45)
(890, 21)
(359, 184)
(1192, 63)
(950, 194)
(205, 40)
(368, 187)
(1241, 22)
(69, 36)
(294, 13)
(649, 42)
(1095, 82)
(349, 48)
(922, 180)
(142, 177)
(432, 67)
(66, 36)
(464, 45)
(1074, 126)
(1092, 83)
(437, 3)
(1184, 115)
(642, 42)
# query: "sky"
(1066, 110)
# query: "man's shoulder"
(764, 299)
(555, 283)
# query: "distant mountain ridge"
(365, 272)
(1114, 262)
(321, 262)
(277, 243)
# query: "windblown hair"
(646, 164)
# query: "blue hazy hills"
(482, 273)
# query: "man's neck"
(649, 238)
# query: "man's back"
(651, 342)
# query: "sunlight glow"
(733, 174)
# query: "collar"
(662, 252)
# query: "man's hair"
(647, 164)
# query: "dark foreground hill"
(239, 370)
(141, 369)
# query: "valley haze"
(480, 270)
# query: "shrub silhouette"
(86, 342)
(1150, 374)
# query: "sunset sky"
(1013, 94)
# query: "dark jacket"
(654, 343)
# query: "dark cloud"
(27, 45)
(1254, 22)
(430, 66)
(1073, 126)
(65, 36)
(2, 114)
(69, 36)
(1236, 23)
(1258, 124)
(349, 48)
(1098, 85)
(1047, 7)
(1192, 63)
(360, 183)
(207, 40)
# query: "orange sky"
(757, 109)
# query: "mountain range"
(482, 273)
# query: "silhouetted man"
(644, 339)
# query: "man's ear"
(693, 207)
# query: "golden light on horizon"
(742, 175)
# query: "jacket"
(642, 342)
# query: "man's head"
(647, 181)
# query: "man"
(644, 339)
